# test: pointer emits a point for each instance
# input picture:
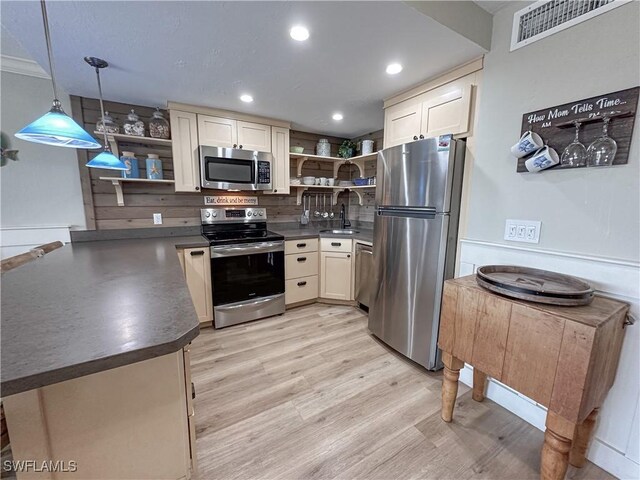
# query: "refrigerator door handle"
(413, 212)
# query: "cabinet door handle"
(421, 137)
(302, 259)
(301, 245)
(275, 190)
(349, 256)
(197, 188)
(235, 145)
(336, 244)
(302, 284)
(193, 391)
(240, 146)
(415, 137)
(196, 253)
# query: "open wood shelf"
(115, 138)
(301, 158)
(335, 189)
(118, 181)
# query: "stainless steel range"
(247, 265)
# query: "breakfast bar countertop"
(93, 306)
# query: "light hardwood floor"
(311, 394)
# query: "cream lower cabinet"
(301, 270)
(336, 270)
(197, 271)
(133, 421)
(186, 159)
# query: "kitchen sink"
(340, 232)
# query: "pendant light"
(106, 159)
(56, 127)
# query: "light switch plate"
(522, 231)
(157, 219)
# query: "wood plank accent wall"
(183, 209)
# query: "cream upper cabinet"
(217, 131)
(197, 271)
(186, 160)
(439, 107)
(335, 275)
(254, 136)
(280, 167)
(401, 123)
(446, 110)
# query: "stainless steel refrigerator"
(415, 231)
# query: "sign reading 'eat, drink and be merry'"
(230, 200)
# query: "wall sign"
(557, 128)
(230, 200)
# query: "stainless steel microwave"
(235, 169)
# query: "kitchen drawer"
(336, 245)
(301, 289)
(301, 246)
(300, 265)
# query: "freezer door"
(417, 174)
(409, 263)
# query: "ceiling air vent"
(547, 17)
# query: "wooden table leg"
(556, 447)
(479, 382)
(452, 366)
(581, 440)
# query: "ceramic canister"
(154, 167)
(367, 147)
(130, 160)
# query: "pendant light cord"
(104, 128)
(47, 36)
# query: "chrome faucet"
(344, 221)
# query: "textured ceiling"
(492, 6)
(208, 53)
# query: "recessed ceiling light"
(337, 116)
(246, 98)
(394, 68)
(299, 33)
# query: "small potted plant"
(347, 149)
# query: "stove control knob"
(260, 213)
(215, 214)
(207, 214)
(249, 214)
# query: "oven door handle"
(246, 249)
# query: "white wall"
(590, 217)
(43, 187)
(590, 211)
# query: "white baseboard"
(615, 443)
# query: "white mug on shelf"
(323, 181)
(529, 142)
(544, 157)
(331, 182)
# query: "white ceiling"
(492, 6)
(208, 53)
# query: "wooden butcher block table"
(564, 358)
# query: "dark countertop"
(93, 306)
(300, 232)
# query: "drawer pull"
(301, 245)
(302, 259)
(336, 244)
(197, 253)
(302, 284)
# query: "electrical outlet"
(157, 219)
(522, 231)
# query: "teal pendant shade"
(107, 160)
(56, 128)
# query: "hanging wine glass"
(603, 150)
(575, 155)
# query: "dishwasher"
(364, 274)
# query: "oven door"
(234, 169)
(247, 271)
